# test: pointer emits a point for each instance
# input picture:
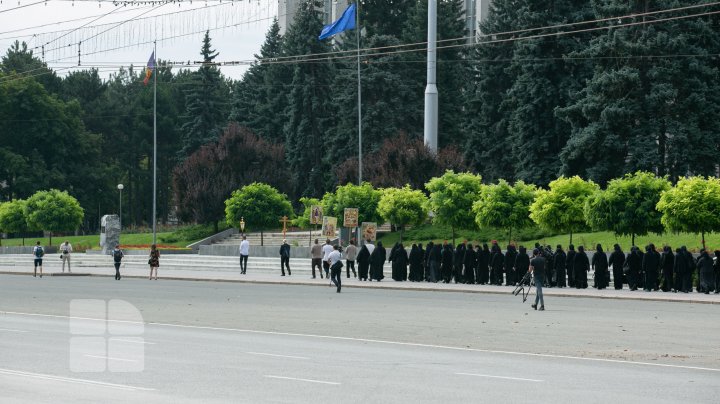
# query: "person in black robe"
(667, 263)
(634, 264)
(434, 261)
(559, 267)
(689, 269)
(650, 266)
(570, 262)
(363, 260)
(547, 253)
(483, 265)
(581, 268)
(399, 260)
(716, 269)
(458, 261)
(509, 264)
(679, 268)
(470, 259)
(416, 259)
(426, 260)
(705, 273)
(446, 265)
(496, 265)
(641, 273)
(377, 260)
(522, 263)
(423, 260)
(617, 261)
(600, 266)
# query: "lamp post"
(120, 188)
(242, 225)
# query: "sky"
(110, 36)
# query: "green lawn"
(93, 241)
(426, 233)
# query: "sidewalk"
(302, 277)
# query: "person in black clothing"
(705, 273)
(399, 259)
(509, 264)
(667, 263)
(570, 262)
(458, 261)
(426, 260)
(496, 265)
(117, 259)
(559, 267)
(641, 273)
(377, 260)
(600, 266)
(483, 262)
(522, 263)
(416, 257)
(285, 257)
(634, 264)
(617, 260)
(679, 269)
(689, 269)
(363, 260)
(651, 263)
(716, 268)
(581, 268)
(423, 261)
(434, 260)
(537, 267)
(470, 258)
(446, 266)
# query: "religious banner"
(369, 231)
(316, 215)
(329, 225)
(351, 217)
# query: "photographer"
(537, 268)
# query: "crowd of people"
(649, 270)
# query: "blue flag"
(344, 23)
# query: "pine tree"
(206, 110)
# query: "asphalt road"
(243, 343)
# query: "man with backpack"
(117, 258)
(38, 253)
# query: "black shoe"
(542, 308)
(289, 274)
(282, 275)
(338, 291)
(534, 306)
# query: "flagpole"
(154, 207)
(357, 38)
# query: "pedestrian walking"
(327, 248)
(537, 269)
(65, 251)
(650, 266)
(706, 283)
(154, 260)
(716, 269)
(38, 252)
(377, 260)
(617, 261)
(363, 259)
(581, 268)
(118, 255)
(559, 267)
(285, 258)
(600, 267)
(350, 256)
(244, 252)
(335, 263)
(316, 255)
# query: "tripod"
(527, 280)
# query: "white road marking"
(276, 355)
(111, 358)
(500, 377)
(131, 341)
(376, 341)
(302, 380)
(71, 380)
(11, 330)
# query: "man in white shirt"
(335, 264)
(327, 249)
(244, 252)
(65, 250)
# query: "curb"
(372, 286)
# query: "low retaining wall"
(27, 249)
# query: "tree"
(403, 206)
(54, 211)
(206, 110)
(502, 206)
(21, 62)
(13, 217)
(364, 197)
(627, 206)
(452, 197)
(692, 205)
(560, 209)
(206, 179)
(259, 205)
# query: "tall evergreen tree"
(308, 113)
(206, 109)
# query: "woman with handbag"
(154, 260)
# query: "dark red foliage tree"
(207, 177)
(402, 160)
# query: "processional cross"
(284, 220)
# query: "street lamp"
(120, 188)
(242, 225)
